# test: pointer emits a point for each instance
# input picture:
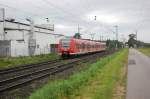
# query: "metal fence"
(5, 52)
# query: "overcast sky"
(129, 15)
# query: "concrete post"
(2, 24)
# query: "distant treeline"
(132, 42)
(142, 44)
(111, 44)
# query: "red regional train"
(72, 46)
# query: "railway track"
(27, 66)
(38, 71)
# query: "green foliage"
(146, 51)
(112, 44)
(77, 36)
(132, 36)
(11, 62)
(109, 76)
(142, 44)
(63, 89)
(60, 88)
(132, 41)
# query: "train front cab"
(67, 47)
(64, 47)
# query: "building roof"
(37, 26)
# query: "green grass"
(146, 51)
(11, 62)
(97, 82)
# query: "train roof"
(102, 42)
(90, 40)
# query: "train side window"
(77, 46)
(88, 46)
(83, 45)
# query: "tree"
(77, 35)
(132, 41)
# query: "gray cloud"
(132, 15)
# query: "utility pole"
(79, 28)
(100, 38)
(92, 36)
(116, 27)
(136, 38)
(123, 40)
(2, 18)
(116, 35)
(136, 34)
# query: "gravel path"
(138, 82)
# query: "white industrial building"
(16, 39)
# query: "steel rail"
(15, 82)
(19, 68)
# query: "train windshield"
(65, 43)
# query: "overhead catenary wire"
(12, 16)
(74, 18)
(27, 14)
(22, 11)
(59, 8)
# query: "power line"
(88, 4)
(57, 7)
(22, 11)
(62, 10)
(83, 5)
(47, 2)
(14, 16)
(27, 14)
(73, 18)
